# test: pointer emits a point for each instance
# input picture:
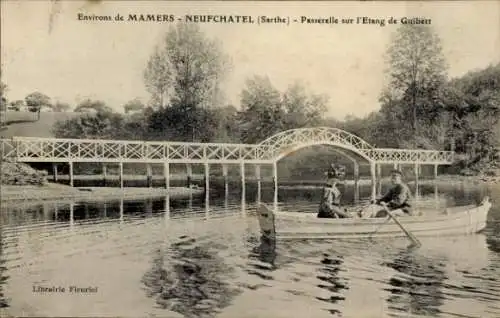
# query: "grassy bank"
(53, 192)
(25, 124)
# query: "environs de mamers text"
(169, 18)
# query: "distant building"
(88, 110)
(46, 108)
(134, 111)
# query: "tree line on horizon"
(421, 107)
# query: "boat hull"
(455, 221)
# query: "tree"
(159, 77)
(301, 108)
(96, 106)
(101, 125)
(133, 105)
(473, 104)
(184, 72)
(416, 71)
(261, 114)
(36, 100)
(266, 111)
(227, 129)
(3, 99)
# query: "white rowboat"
(452, 221)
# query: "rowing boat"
(457, 220)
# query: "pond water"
(161, 258)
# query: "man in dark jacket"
(397, 198)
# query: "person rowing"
(397, 199)
(330, 200)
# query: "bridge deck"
(33, 149)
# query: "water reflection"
(420, 289)
(3, 275)
(262, 257)
(332, 281)
(493, 234)
(189, 278)
(192, 278)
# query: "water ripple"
(182, 258)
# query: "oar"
(379, 227)
(409, 234)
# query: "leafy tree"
(261, 114)
(3, 98)
(36, 100)
(184, 73)
(101, 125)
(416, 71)
(227, 128)
(302, 109)
(473, 105)
(97, 106)
(133, 105)
(159, 77)
(266, 111)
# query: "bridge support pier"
(436, 194)
(149, 207)
(224, 174)
(356, 181)
(416, 170)
(149, 177)
(275, 180)
(121, 210)
(379, 179)
(54, 171)
(70, 173)
(257, 176)
(207, 189)
(104, 173)
(243, 190)
(71, 214)
(189, 172)
(120, 177)
(166, 206)
(435, 171)
(166, 174)
(373, 179)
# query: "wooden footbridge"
(268, 152)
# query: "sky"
(44, 47)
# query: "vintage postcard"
(250, 159)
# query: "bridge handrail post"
(16, 148)
(3, 149)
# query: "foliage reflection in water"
(332, 281)
(189, 278)
(416, 288)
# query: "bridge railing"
(390, 155)
(89, 150)
(34, 149)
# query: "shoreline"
(54, 192)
